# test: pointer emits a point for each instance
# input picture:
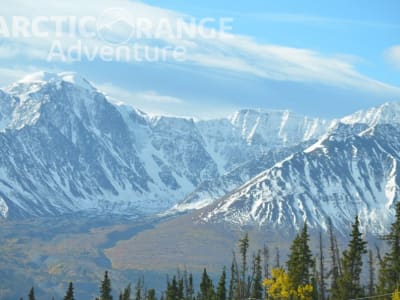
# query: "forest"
(357, 272)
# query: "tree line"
(304, 276)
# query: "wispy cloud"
(392, 56)
(233, 53)
(11, 75)
(313, 20)
(155, 103)
(151, 97)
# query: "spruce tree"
(257, 285)
(189, 288)
(233, 282)
(206, 287)
(371, 273)
(349, 286)
(266, 261)
(31, 295)
(300, 262)
(172, 290)
(277, 258)
(266, 266)
(321, 277)
(243, 248)
(151, 294)
(221, 289)
(105, 289)
(334, 271)
(389, 274)
(138, 290)
(127, 293)
(314, 282)
(70, 292)
(180, 291)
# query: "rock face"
(65, 147)
(211, 190)
(354, 169)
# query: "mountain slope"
(352, 170)
(65, 148)
(211, 190)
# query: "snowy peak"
(47, 93)
(68, 148)
(347, 172)
(278, 127)
(39, 79)
(388, 113)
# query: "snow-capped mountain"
(353, 169)
(388, 113)
(255, 132)
(211, 190)
(65, 147)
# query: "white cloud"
(142, 96)
(392, 56)
(311, 19)
(154, 103)
(11, 75)
(235, 53)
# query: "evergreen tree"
(31, 295)
(300, 262)
(334, 272)
(371, 273)
(105, 289)
(138, 289)
(221, 289)
(266, 266)
(127, 293)
(151, 295)
(189, 287)
(206, 287)
(70, 292)
(389, 274)
(314, 282)
(172, 290)
(233, 283)
(257, 286)
(180, 291)
(321, 277)
(277, 258)
(349, 286)
(243, 248)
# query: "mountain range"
(66, 147)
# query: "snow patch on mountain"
(327, 180)
(387, 113)
(3, 208)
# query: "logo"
(115, 26)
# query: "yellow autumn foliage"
(279, 287)
(396, 295)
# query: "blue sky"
(322, 58)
